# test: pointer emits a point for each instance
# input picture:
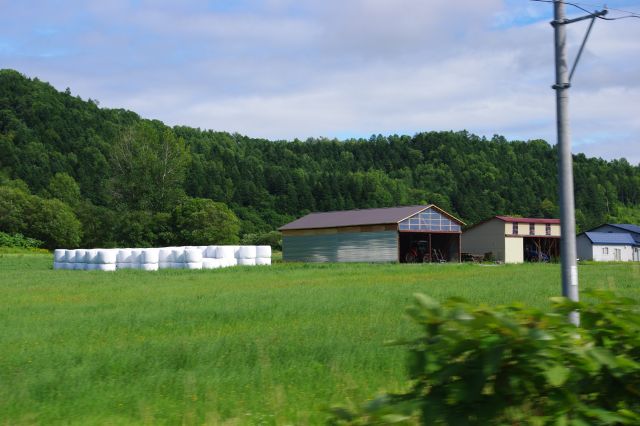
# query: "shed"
(396, 234)
(514, 239)
(608, 246)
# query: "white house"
(607, 246)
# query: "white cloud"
(285, 68)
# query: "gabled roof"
(382, 216)
(613, 238)
(510, 219)
(627, 227)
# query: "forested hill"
(121, 179)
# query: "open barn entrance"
(419, 247)
(537, 249)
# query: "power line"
(579, 6)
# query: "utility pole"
(568, 252)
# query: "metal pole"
(568, 251)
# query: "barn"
(396, 234)
(514, 239)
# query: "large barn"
(395, 234)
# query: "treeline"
(122, 180)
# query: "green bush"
(49, 220)
(18, 240)
(516, 366)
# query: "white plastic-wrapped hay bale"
(225, 252)
(59, 255)
(263, 261)
(149, 266)
(106, 256)
(193, 265)
(228, 261)
(209, 263)
(59, 258)
(106, 267)
(210, 252)
(80, 263)
(246, 262)
(192, 255)
(263, 251)
(165, 257)
(90, 256)
(136, 258)
(246, 252)
(177, 257)
(150, 255)
(123, 259)
(70, 259)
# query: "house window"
(618, 254)
(514, 230)
(605, 250)
(532, 229)
(547, 229)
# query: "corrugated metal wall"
(342, 247)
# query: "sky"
(285, 69)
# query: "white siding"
(514, 250)
(626, 252)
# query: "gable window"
(547, 229)
(532, 229)
(514, 229)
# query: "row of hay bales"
(152, 259)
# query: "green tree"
(148, 165)
(200, 221)
(53, 222)
(64, 188)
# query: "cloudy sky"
(284, 69)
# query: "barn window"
(532, 229)
(514, 229)
(605, 250)
(428, 220)
(547, 229)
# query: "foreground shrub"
(516, 366)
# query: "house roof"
(510, 219)
(627, 227)
(613, 238)
(343, 218)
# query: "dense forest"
(75, 174)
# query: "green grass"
(260, 345)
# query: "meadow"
(260, 345)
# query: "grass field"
(259, 345)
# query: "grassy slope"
(255, 345)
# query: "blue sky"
(284, 69)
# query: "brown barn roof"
(380, 216)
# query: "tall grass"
(258, 345)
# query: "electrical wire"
(578, 5)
